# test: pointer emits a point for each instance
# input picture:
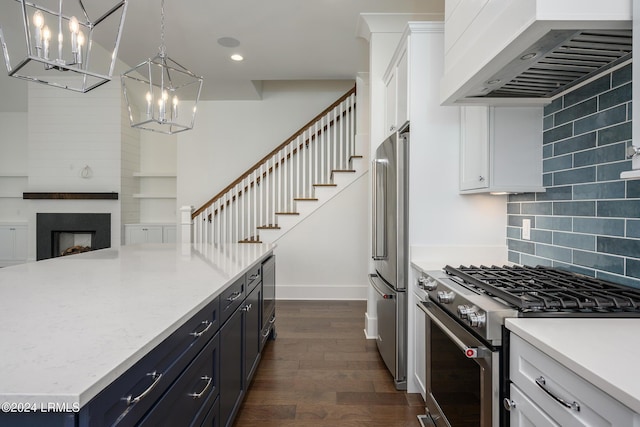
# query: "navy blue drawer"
(188, 401)
(130, 396)
(231, 299)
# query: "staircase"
(288, 184)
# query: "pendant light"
(161, 95)
(71, 44)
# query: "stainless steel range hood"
(526, 52)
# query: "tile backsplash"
(588, 220)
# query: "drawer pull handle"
(253, 276)
(246, 307)
(202, 332)
(272, 320)
(234, 296)
(156, 379)
(542, 383)
(206, 387)
(266, 333)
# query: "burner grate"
(546, 289)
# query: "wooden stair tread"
(268, 227)
(305, 199)
(325, 185)
(287, 213)
(343, 170)
(249, 241)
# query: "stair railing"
(271, 187)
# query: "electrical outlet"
(526, 229)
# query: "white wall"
(13, 165)
(325, 256)
(68, 131)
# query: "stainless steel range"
(465, 332)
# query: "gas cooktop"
(546, 291)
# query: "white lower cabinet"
(13, 244)
(149, 233)
(547, 393)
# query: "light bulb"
(175, 101)
(46, 37)
(80, 39)
(38, 22)
(38, 19)
(149, 98)
(74, 26)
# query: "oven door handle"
(470, 352)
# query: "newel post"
(186, 223)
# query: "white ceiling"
(279, 39)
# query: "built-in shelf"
(154, 174)
(153, 196)
(71, 196)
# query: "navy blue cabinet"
(231, 376)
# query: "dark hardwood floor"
(321, 371)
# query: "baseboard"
(371, 327)
(321, 292)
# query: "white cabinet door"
(474, 148)
(501, 149)
(13, 244)
(142, 234)
(402, 89)
(419, 349)
(525, 413)
(397, 92)
(169, 234)
(6, 243)
(390, 104)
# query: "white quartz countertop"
(71, 325)
(436, 257)
(603, 351)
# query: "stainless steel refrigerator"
(390, 251)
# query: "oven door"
(463, 388)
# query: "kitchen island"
(71, 326)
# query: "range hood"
(526, 52)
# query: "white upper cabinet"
(397, 91)
(501, 149)
(507, 52)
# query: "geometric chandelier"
(161, 95)
(71, 44)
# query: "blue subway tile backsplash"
(588, 220)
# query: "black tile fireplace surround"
(48, 224)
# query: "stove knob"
(463, 311)
(477, 320)
(445, 297)
(427, 283)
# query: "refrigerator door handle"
(379, 232)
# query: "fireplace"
(59, 234)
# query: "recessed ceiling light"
(493, 82)
(237, 57)
(528, 56)
(228, 42)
